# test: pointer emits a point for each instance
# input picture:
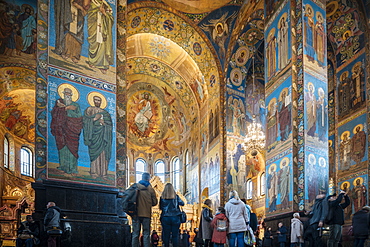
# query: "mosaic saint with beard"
(66, 126)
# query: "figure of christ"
(144, 115)
(358, 145)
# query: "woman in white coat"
(296, 235)
(238, 219)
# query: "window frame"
(27, 167)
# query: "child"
(219, 225)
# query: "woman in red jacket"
(219, 225)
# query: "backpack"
(129, 198)
(221, 225)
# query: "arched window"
(176, 173)
(140, 167)
(6, 152)
(249, 189)
(26, 162)
(263, 184)
(186, 172)
(159, 168)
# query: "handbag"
(25, 236)
(183, 217)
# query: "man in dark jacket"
(51, 221)
(335, 218)
(361, 226)
(146, 199)
(30, 228)
(318, 215)
(282, 231)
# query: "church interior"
(268, 98)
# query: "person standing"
(154, 238)
(30, 228)
(361, 226)
(336, 217)
(296, 234)
(267, 239)
(282, 232)
(219, 234)
(205, 230)
(146, 199)
(170, 217)
(318, 215)
(98, 135)
(52, 221)
(66, 125)
(238, 219)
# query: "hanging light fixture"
(255, 139)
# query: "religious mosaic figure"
(272, 187)
(308, 33)
(358, 144)
(272, 124)
(284, 115)
(313, 186)
(359, 193)
(283, 42)
(321, 115)
(344, 94)
(320, 39)
(345, 151)
(283, 181)
(311, 110)
(271, 53)
(348, 210)
(99, 27)
(357, 86)
(238, 115)
(144, 115)
(98, 127)
(66, 126)
(27, 24)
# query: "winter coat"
(146, 199)
(52, 217)
(336, 213)
(361, 224)
(237, 215)
(170, 207)
(205, 230)
(282, 235)
(296, 228)
(319, 211)
(218, 237)
(267, 240)
(32, 228)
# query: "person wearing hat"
(361, 226)
(146, 199)
(335, 218)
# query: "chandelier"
(255, 139)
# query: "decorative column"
(296, 102)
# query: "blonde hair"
(234, 194)
(168, 192)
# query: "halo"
(345, 132)
(272, 167)
(281, 93)
(345, 73)
(321, 92)
(286, 161)
(330, 143)
(272, 101)
(222, 26)
(344, 34)
(260, 24)
(307, 8)
(235, 101)
(75, 93)
(312, 159)
(358, 125)
(24, 6)
(285, 15)
(342, 185)
(318, 14)
(271, 34)
(308, 86)
(239, 52)
(90, 99)
(236, 71)
(361, 180)
(356, 64)
(322, 162)
(335, 7)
